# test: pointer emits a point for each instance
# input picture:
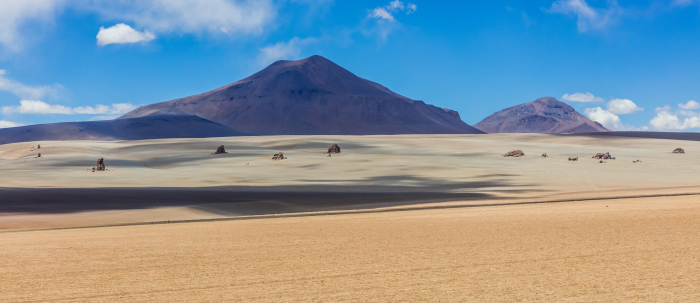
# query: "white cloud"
(604, 117)
(689, 105)
(665, 120)
(385, 22)
(40, 107)
(7, 124)
(226, 17)
(688, 113)
(610, 120)
(582, 97)
(189, 16)
(411, 8)
(382, 13)
(15, 13)
(622, 106)
(386, 12)
(665, 108)
(588, 17)
(396, 5)
(283, 50)
(27, 91)
(122, 34)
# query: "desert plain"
(391, 218)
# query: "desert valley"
(239, 194)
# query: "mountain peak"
(544, 115)
(314, 60)
(312, 96)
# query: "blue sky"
(631, 65)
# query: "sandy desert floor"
(392, 218)
(624, 250)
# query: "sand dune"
(372, 172)
(416, 162)
(394, 218)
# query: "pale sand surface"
(179, 179)
(624, 250)
(439, 161)
(392, 218)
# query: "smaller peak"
(551, 102)
(547, 100)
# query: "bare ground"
(393, 218)
(623, 250)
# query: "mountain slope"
(309, 97)
(151, 127)
(544, 115)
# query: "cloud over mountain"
(581, 97)
(40, 107)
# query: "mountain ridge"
(142, 128)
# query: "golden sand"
(626, 250)
(620, 231)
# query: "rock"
(100, 165)
(335, 149)
(220, 150)
(38, 146)
(39, 156)
(544, 155)
(679, 151)
(573, 159)
(515, 153)
(599, 156)
(279, 156)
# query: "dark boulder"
(515, 153)
(334, 149)
(220, 150)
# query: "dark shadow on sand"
(235, 201)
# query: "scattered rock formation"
(100, 165)
(279, 156)
(637, 161)
(220, 150)
(515, 153)
(334, 149)
(606, 156)
(679, 151)
(573, 159)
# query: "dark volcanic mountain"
(152, 127)
(544, 115)
(312, 96)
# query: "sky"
(630, 65)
